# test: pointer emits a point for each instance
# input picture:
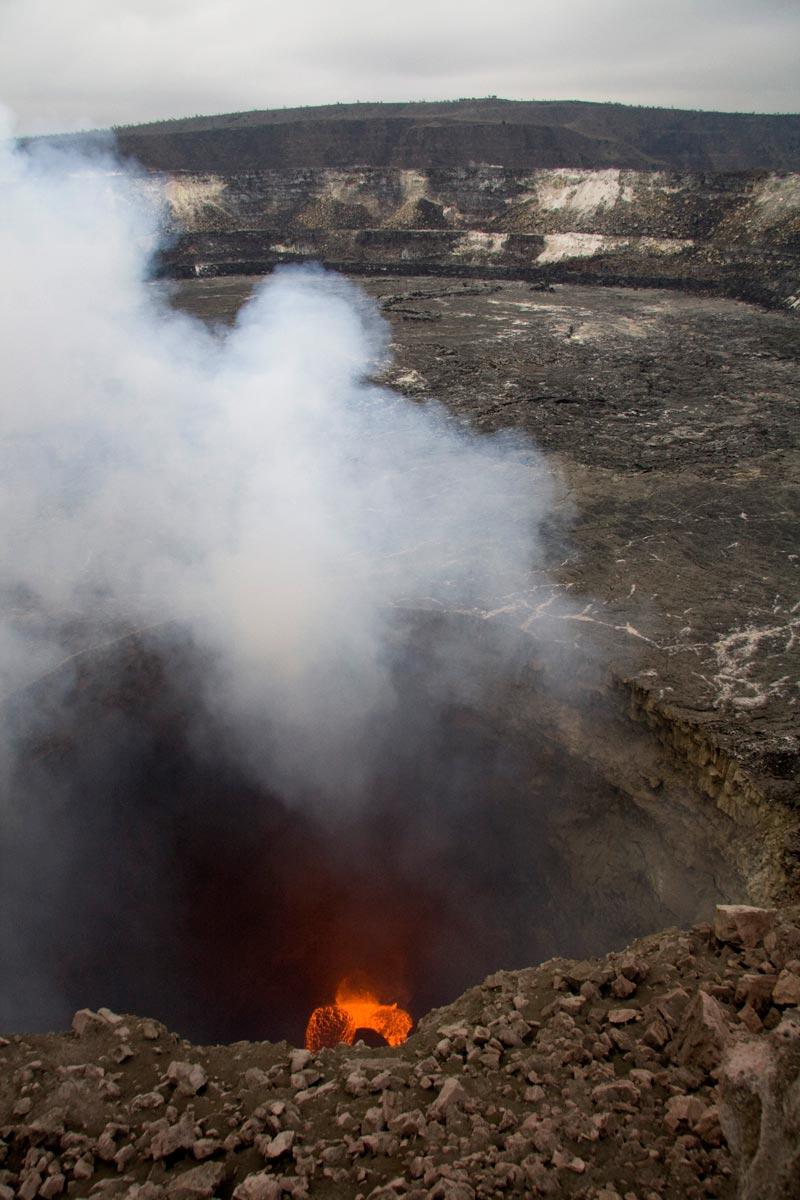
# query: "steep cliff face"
(736, 234)
(761, 208)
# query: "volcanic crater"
(536, 817)
(624, 759)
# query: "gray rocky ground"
(667, 1070)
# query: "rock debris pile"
(670, 1069)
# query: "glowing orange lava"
(355, 1008)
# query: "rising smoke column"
(258, 489)
(255, 491)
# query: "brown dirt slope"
(669, 1069)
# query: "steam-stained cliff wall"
(734, 233)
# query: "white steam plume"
(256, 488)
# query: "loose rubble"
(670, 1069)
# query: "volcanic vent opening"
(150, 873)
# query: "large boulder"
(742, 924)
(760, 1111)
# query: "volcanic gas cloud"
(208, 540)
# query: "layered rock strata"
(736, 234)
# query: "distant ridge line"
(506, 133)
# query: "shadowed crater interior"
(144, 868)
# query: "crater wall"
(734, 234)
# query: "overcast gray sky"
(67, 64)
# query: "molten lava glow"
(355, 1008)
